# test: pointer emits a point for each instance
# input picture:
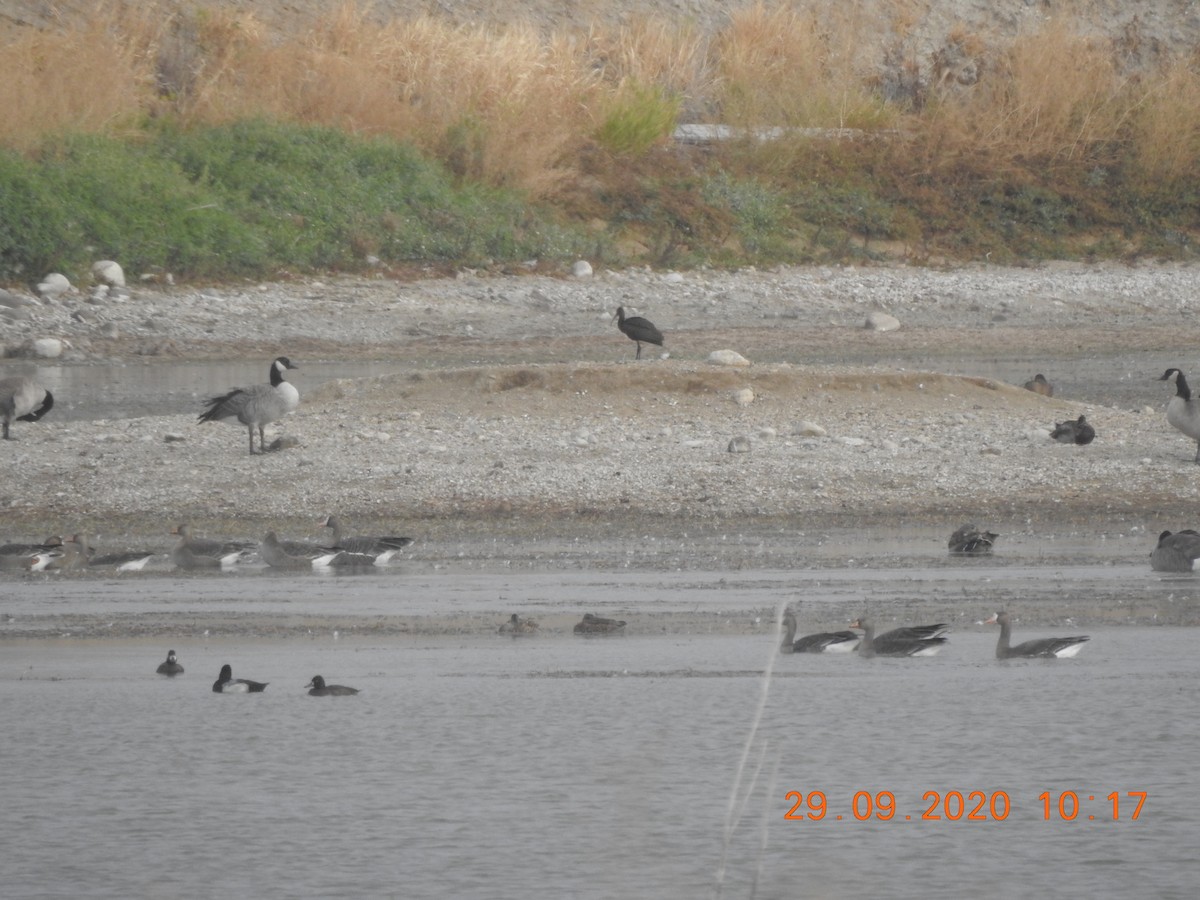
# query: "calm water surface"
(569, 767)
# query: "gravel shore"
(518, 406)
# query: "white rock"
(47, 348)
(740, 444)
(767, 432)
(582, 269)
(743, 396)
(727, 358)
(852, 441)
(54, 285)
(880, 321)
(673, 278)
(108, 272)
(809, 429)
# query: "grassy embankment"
(203, 146)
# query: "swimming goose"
(1176, 552)
(970, 539)
(518, 627)
(20, 556)
(257, 405)
(823, 642)
(1039, 648)
(299, 555)
(171, 666)
(638, 330)
(23, 399)
(591, 624)
(320, 689)
(1182, 411)
(901, 641)
(381, 547)
(1077, 432)
(205, 553)
(1039, 385)
(227, 684)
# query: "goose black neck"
(276, 375)
(1181, 386)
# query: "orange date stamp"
(967, 806)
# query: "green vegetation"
(200, 145)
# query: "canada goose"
(1077, 432)
(1039, 385)
(1182, 411)
(257, 405)
(320, 689)
(1039, 648)
(297, 555)
(19, 556)
(971, 539)
(205, 553)
(22, 398)
(823, 642)
(901, 641)
(1176, 552)
(382, 547)
(227, 684)
(591, 624)
(171, 666)
(638, 330)
(518, 627)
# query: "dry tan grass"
(514, 106)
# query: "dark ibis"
(638, 330)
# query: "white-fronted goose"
(518, 627)
(1183, 411)
(257, 405)
(1176, 552)
(1038, 648)
(318, 688)
(170, 666)
(193, 552)
(1039, 385)
(382, 547)
(971, 539)
(592, 624)
(227, 684)
(22, 399)
(901, 641)
(20, 556)
(297, 555)
(822, 642)
(638, 330)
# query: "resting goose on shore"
(1176, 552)
(1039, 385)
(1183, 411)
(71, 554)
(518, 627)
(973, 540)
(192, 552)
(257, 405)
(591, 624)
(20, 556)
(381, 547)
(22, 399)
(1039, 648)
(297, 555)
(227, 684)
(1077, 432)
(901, 641)
(822, 642)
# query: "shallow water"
(568, 767)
